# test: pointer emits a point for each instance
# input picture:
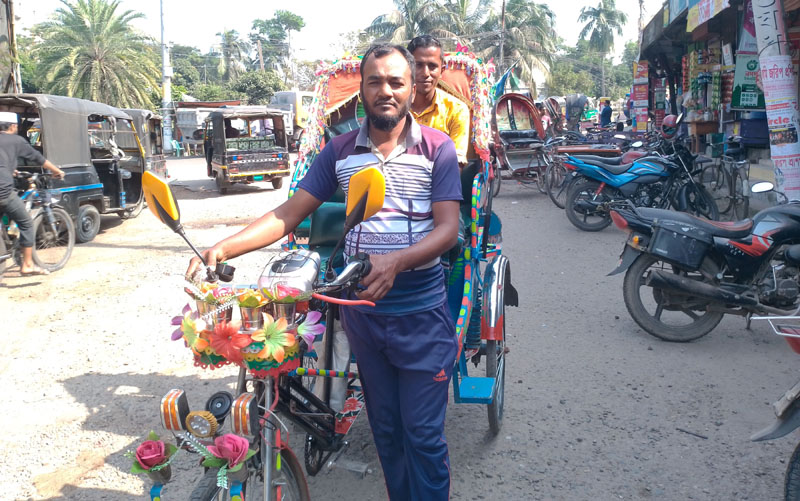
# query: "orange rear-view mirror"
(365, 195)
(161, 201)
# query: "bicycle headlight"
(174, 409)
(245, 415)
(201, 424)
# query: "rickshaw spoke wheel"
(313, 456)
(496, 368)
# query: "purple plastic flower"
(178, 320)
(310, 328)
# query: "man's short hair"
(384, 49)
(4, 126)
(423, 42)
(608, 102)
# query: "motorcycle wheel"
(582, 191)
(667, 315)
(792, 482)
(53, 245)
(495, 188)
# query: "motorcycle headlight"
(201, 424)
(174, 409)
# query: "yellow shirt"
(451, 116)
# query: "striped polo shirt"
(420, 171)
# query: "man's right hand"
(212, 256)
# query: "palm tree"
(601, 23)
(234, 53)
(466, 20)
(528, 39)
(411, 18)
(88, 50)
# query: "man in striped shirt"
(406, 345)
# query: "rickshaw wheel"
(277, 183)
(495, 359)
(312, 455)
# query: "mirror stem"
(180, 232)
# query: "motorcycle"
(659, 180)
(787, 408)
(684, 273)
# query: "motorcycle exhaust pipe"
(676, 283)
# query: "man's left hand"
(381, 278)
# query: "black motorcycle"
(684, 273)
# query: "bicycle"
(54, 231)
(728, 181)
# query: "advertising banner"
(778, 79)
(640, 72)
(747, 40)
(746, 94)
(702, 11)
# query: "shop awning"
(701, 11)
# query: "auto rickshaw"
(96, 146)
(245, 144)
(148, 128)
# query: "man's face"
(429, 68)
(387, 90)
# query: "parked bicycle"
(728, 180)
(54, 232)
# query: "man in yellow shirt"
(434, 107)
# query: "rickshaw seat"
(327, 225)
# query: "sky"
(196, 22)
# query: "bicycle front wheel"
(53, 243)
(716, 182)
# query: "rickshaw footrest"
(476, 390)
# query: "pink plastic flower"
(151, 453)
(310, 328)
(230, 447)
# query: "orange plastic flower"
(227, 342)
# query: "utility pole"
(780, 94)
(9, 63)
(502, 37)
(166, 85)
(260, 55)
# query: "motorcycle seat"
(598, 158)
(724, 229)
(617, 168)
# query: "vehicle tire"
(132, 212)
(3, 262)
(277, 183)
(701, 203)
(542, 164)
(496, 368)
(739, 197)
(716, 182)
(495, 187)
(677, 306)
(88, 224)
(222, 186)
(584, 190)
(53, 246)
(792, 482)
(206, 489)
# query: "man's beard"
(388, 121)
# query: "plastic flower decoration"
(229, 453)
(214, 294)
(226, 341)
(250, 299)
(189, 325)
(281, 293)
(310, 328)
(151, 455)
(274, 337)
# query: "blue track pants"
(405, 363)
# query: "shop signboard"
(701, 11)
(676, 8)
(747, 39)
(746, 94)
(640, 72)
(778, 78)
(640, 97)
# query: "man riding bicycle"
(12, 147)
(406, 345)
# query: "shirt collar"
(437, 100)
(413, 136)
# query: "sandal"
(34, 272)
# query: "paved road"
(595, 407)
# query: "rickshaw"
(96, 146)
(304, 280)
(246, 144)
(148, 128)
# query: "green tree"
(258, 86)
(601, 23)
(275, 36)
(466, 19)
(30, 71)
(565, 79)
(410, 18)
(233, 54)
(90, 50)
(215, 92)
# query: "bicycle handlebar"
(358, 268)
